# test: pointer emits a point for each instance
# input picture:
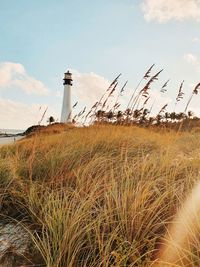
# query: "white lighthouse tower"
(66, 115)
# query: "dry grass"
(101, 196)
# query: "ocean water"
(9, 140)
(11, 131)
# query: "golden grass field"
(101, 196)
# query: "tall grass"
(100, 196)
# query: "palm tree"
(181, 116)
(167, 116)
(100, 115)
(110, 115)
(159, 118)
(119, 116)
(172, 116)
(50, 120)
(190, 114)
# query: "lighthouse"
(66, 114)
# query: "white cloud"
(160, 100)
(196, 40)
(89, 87)
(190, 58)
(165, 10)
(16, 115)
(193, 60)
(15, 75)
(58, 93)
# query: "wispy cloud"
(17, 115)
(196, 40)
(87, 87)
(15, 75)
(165, 10)
(193, 60)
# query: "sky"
(96, 40)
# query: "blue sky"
(97, 40)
